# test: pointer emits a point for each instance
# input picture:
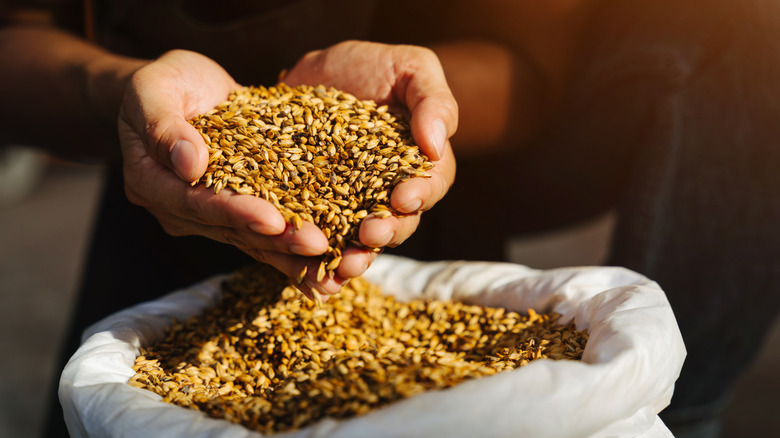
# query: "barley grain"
(312, 152)
(265, 359)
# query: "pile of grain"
(318, 154)
(272, 362)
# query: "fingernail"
(266, 230)
(300, 250)
(411, 206)
(181, 161)
(316, 287)
(363, 269)
(384, 240)
(439, 136)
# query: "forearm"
(60, 92)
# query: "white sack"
(632, 359)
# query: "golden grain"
(265, 359)
(318, 154)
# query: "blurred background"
(46, 212)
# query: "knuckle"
(153, 139)
(258, 255)
(170, 227)
(232, 237)
(134, 197)
(450, 105)
(427, 53)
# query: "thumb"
(155, 119)
(434, 109)
(173, 142)
(434, 120)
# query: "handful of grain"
(318, 154)
(267, 360)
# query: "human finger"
(422, 86)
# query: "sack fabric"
(626, 377)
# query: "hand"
(403, 77)
(162, 153)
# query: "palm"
(157, 138)
(161, 148)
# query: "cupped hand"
(162, 153)
(408, 79)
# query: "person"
(661, 111)
(148, 199)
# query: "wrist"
(107, 79)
